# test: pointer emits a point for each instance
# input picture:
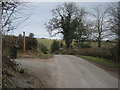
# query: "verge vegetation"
(100, 61)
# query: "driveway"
(66, 71)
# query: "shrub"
(114, 53)
(55, 46)
(31, 43)
(43, 48)
(7, 42)
(82, 44)
(86, 45)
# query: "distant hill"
(43, 38)
(46, 42)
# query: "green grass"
(26, 70)
(46, 56)
(46, 42)
(100, 61)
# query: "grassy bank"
(100, 61)
(46, 56)
(31, 54)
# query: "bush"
(31, 43)
(86, 45)
(43, 48)
(7, 42)
(55, 46)
(82, 44)
(114, 53)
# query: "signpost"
(24, 42)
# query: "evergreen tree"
(55, 46)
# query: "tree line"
(71, 21)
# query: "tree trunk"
(99, 37)
(79, 47)
(99, 43)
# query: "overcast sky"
(41, 13)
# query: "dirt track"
(65, 71)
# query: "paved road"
(65, 71)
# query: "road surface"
(66, 71)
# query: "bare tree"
(12, 16)
(114, 23)
(99, 23)
(114, 18)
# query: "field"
(48, 42)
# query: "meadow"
(48, 42)
(107, 50)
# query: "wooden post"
(24, 42)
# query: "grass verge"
(30, 54)
(46, 56)
(100, 61)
